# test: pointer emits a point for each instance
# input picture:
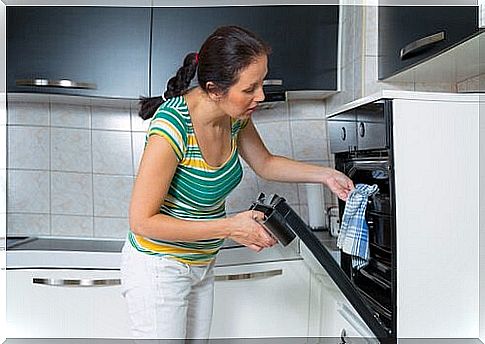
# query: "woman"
(189, 166)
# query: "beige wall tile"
(68, 225)
(28, 192)
(28, 147)
(71, 193)
(70, 115)
(28, 224)
(111, 227)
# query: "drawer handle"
(362, 129)
(63, 83)
(343, 133)
(273, 82)
(248, 276)
(421, 43)
(53, 282)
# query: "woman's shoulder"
(174, 109)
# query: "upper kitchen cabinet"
(303, 40)
(90, 51)
(409, 35)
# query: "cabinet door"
(422, 31)
(333, 314)
(105, 46)
(261, 300)
(46, 310)
(303, 40)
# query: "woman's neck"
(204, 109)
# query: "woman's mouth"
(252, 109)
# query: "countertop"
(92, 253)
(85, 253)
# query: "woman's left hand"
(339, 183)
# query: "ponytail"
(176, 86)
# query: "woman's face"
(242, 98)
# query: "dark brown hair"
(222, 56)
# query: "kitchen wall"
(72, 161)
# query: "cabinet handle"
(355, 322)
(63, 83)
(250, 275)
(273, 82)
(76, 282)
(421, 43)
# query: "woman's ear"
(213, 91)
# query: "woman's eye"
(249, 90)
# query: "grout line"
(132, 142)
(49, 120)
(92, 167)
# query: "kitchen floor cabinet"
(261, 300)
(42, 310)
(303, 41)
(104, 50)
(409, 35)
(330, 313)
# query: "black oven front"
(361, 141)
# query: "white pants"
(166, 299)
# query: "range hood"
(274, 91)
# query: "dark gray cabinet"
(105, 46)
(303, 41)
(409, 35)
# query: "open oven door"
(349, 304)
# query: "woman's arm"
(155, 174)
(281, 169)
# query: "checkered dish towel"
(353, 238)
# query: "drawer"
(371, 135)
(342, 136)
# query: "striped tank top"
(197, 191)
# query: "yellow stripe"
(172, 143)
(163, 122)
(169, 249)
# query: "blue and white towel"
(353, 238)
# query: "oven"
(361, 141)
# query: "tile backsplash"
(72, 162)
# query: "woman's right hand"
(246, 230)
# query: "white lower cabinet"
(262, 300)
(50, 308)
(332, 315)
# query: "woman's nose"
(259, 95)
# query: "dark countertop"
(75, 244)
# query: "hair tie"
(197, 58)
